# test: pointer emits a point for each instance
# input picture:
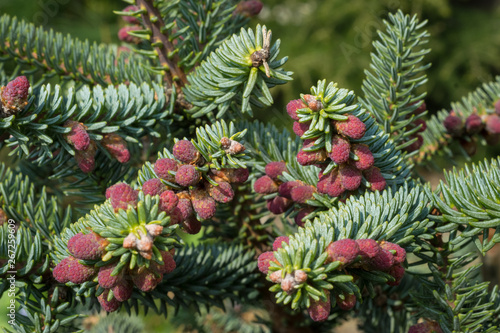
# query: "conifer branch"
(396, 74)
(470, 121)
(52, 54)
(57, 127)
(230, 79)
(38, 217)
(468, 203)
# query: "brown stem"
(153, 21)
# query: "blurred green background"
(323, 39)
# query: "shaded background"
(323, 39)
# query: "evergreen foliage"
(158, 141)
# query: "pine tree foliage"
(390, 308)
(209, 274)
(197, 29)
(52, 54)
(242, 69)
(337, 105)
(38, 217)
(437, 140)
(180, 106)
(398, 218)
(38, 131)
(468, 203)
(451, 292)
(391, 87)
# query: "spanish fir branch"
(38, 218)
(468, 203)
(131, 236)
(237, 74)
(329, 107)
(209, 274)
(450, 292)
(266, 144)
(398, 217)
(40, 132)
(397, 72)
(50, 54)
(470, 121)
(390, 308)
